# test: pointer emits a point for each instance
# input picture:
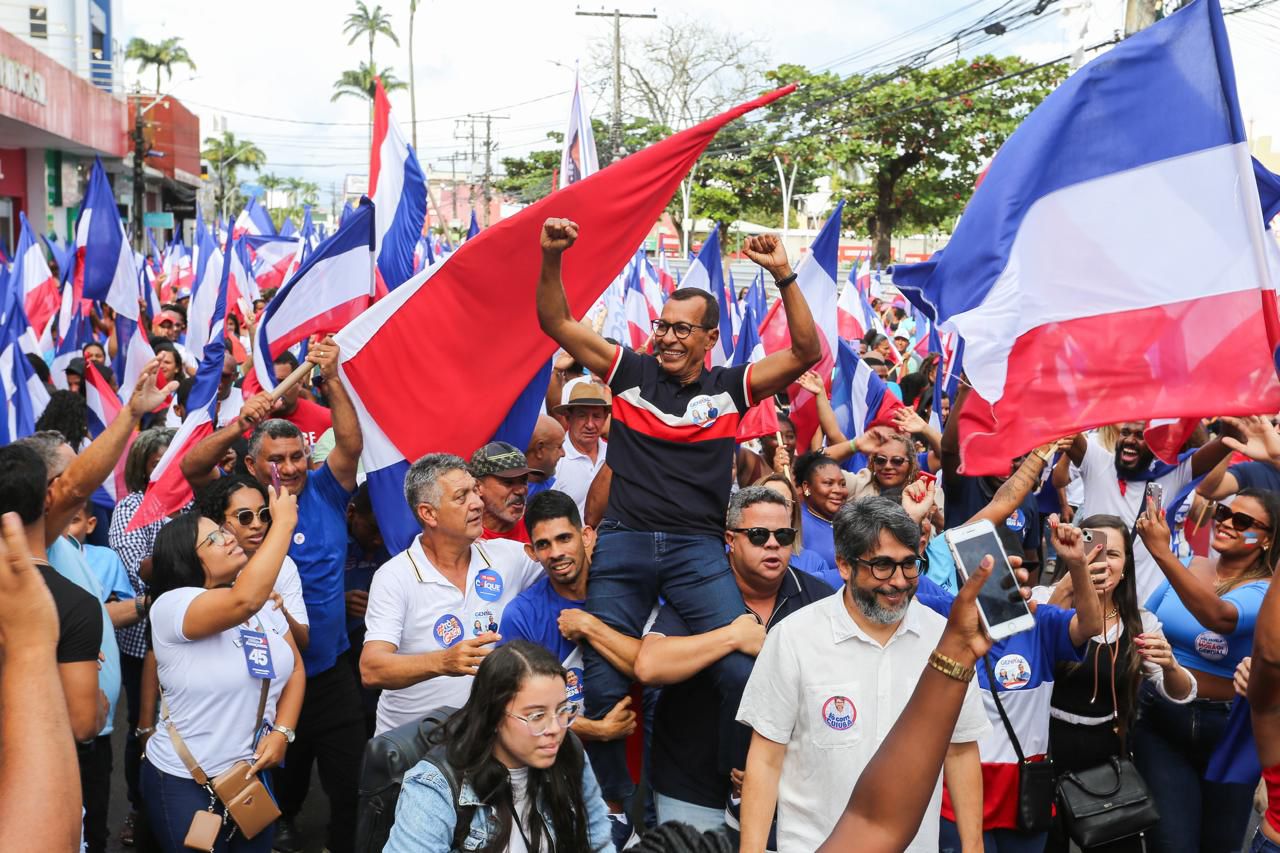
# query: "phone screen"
(275, 476)
(994, 597)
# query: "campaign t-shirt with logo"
(313, 419)
(416, 609)
(671, 446)
(1195, 646)
(534, 616)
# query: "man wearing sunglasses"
(686, 729)
(671, 446)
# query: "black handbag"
(1035, 778)
(1105, 803)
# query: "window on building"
(39, 22)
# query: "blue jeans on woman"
(1171, 748)
(629, 570)
(993, 840)
(171, 803)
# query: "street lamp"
(140, 153)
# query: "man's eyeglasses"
(216, 537)
(244, 517)
(758, 536)
(539, 722)
(681, 330)
(882, 461)
(882, 568)
(1239, 520)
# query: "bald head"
(546, 447)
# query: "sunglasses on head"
(758, 536)
(1239, 520)
(895, 461)
(244, 517)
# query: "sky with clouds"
(267, 68)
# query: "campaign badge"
(483, 621)
(1013, 672)
(489, 585)
(299, 538)
(838, 713)
(1017, 521)
(447, 630)
(702, 411)
(1211, 645)
(573, 684)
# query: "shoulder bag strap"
(1004, 718)
(180, 746)
(262, 704)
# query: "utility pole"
(615, 123)
(139, 154)
(470, 135)
(486, 180)
(453, 185)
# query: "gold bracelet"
(951, 668)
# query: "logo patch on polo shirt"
(702, 411)
(573, 684)
(838, 713)
(1211, 645)
(1013, 672)
(447, 630)
(489, 585)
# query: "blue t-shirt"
(1195, 646)
(1256, 475)
(357, 574)
(810, 563)
(109, 570)
(320, 551)
(818, 535)
(535, 488)
(534, 615)
(67, 560)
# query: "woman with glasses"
(504, 773)
(1209, 608)
(218, 640)
(239, 504)
(823, 492)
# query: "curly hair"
(67, 414)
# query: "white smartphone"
(1002, 608)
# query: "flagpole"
(292, 379)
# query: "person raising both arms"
(671, 456)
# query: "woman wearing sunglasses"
(239, 504)
(522, 781)
(1209, 608)
(217, 637)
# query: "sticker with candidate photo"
(1013, 672)
(838, 713)
(702, 410)
(483, 620)
(573, 685)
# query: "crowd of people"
(637, 631)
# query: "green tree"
(906, 152)
(359, 83)
(363, 22)
(225, 153)
(163, 55)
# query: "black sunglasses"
(1239, 520)
(244, 517)
(758, 536)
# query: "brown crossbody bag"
(247, 800)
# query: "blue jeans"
(993, 840)
(1261, 844)
(629, 570)
(172, 801)
(1171, 747)
(700, 818)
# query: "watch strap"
(950, 667)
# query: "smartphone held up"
(1000, 602)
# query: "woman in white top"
(216, 634)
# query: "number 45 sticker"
(257, 654)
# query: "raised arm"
(1014, 491)
(1069, 542)
(670, 660)
(949, 451)
(1197, 595)
(587, 347)
(615, 647)
(200, 464)
(775, 372)
(348, 441)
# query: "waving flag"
(578, 159)
(473, 288)
(64, 254)
(398, 188)
(204, 289)
(167, 489)
(473, 229)
(33, 279)
(1130, 187)
(665, 279)
(253, 220)
(859, 397)
(25, 396)
(756, 297)
(637, 306)
(706, 273)
(272, 256)
(854, 317)
(69, 349)
(333, 287)
(288, 229)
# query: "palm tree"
(163, 55)
(225, 153)
(359, 83)
(270, 182)
(413, 88)
(363, 22)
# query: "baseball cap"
(583, 392)
(498, 459)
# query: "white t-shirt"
(575, 472)
(229, 409)
(212, 698)
(831, 694)
(1102, 495)
(414, 608)
(289, 585)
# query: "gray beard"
(870, 606)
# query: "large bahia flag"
(1112, 265)
(488, 284)
(398, 188)
(34, 280)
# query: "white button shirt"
(575, 472)
(413, 607)
(831, 693)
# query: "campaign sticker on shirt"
(448, 630)
(1013, 672)
(1017, 521)
(483, 621)
(573, 685)
(489, 585)
(257, 654)
(1211, 645)
(702, 411)
(299, 538)
(838, 713)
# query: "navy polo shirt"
(1256, 475)
(686, 735)
(671, 446)
(319, 549)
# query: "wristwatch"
(289, 734)
(950, 667)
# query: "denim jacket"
(426, 814)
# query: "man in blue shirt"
(331, 729)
